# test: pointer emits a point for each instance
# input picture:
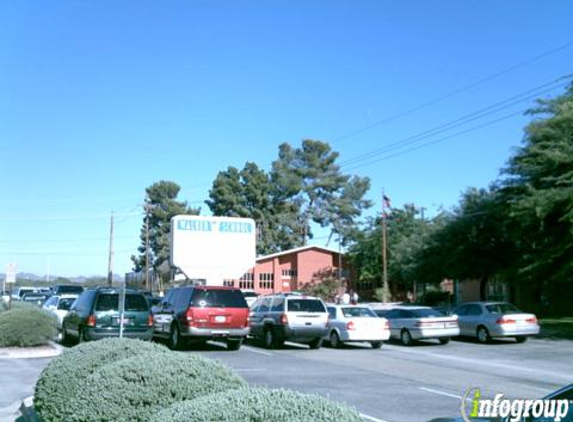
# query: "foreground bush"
(63, 377)
(258, 405)
(135, 388)
(26, 326)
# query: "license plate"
(220, 318)
(126, 321)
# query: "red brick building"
(289, 270)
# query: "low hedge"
(258, 405)
(135, 388)
(63, 377)
(27, 326)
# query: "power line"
(468, 118)
(65, 218)
(455, 92)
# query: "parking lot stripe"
(371, 418)
(442, 393)
(254, 350)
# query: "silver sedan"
(411, 323)
(487, 320)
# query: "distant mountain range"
(81, 279)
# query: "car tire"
(483, 335)
(445, 340)
(334, 340)
(376, 344)
(175, 342)
(521, 339)
(234, 344)
(316, 343)
(406, 338)
(270, 338)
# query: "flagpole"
(385, 287)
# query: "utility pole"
(385, 286)
(110, 258)
(147, 208)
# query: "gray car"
(411, 323)
(487, 320)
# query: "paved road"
(393, 384)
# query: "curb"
(49, 350)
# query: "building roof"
(297, 250)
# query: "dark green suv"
(96, 314)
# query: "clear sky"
(100, 99)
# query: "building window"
(247, 281)
(229, 283)
(289, 273)
(266, 281)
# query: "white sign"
(11, 273)
(213, 248)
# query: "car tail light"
(284, 319)
(531, 320)
(387, 325)
(505, 320)
(150, 321)
(189, 316)
(423, 324)
(91, 321)
(350, 326)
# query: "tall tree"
(311, 180)
(160, 206)
(539, 189)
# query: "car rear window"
(352, 312)
(305, 305)
(110, 302)
(69, 289)
(502, 308)
(423, 313)
(213, 298)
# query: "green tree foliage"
(160, 206)
(249, 193)
(310, 179)
(539, 191)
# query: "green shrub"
(26, 326)
(257, 405)
(135, 388)
(62, 378)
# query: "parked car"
(281, 317)
(250, 296)
(564, 393)
(352, 323)
(201, 313)
(487, 320)
(95, 314)
(60, 306)
(19, 291)
(37, 298)
(411, 323)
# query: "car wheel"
(334, 340)
(444, 340)
(376, 344)
(175, 338)
(270, 338)
(483, 335)
(316, 343)
(406, 338)
(234, 344)
(521, 339)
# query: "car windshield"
(214, 298)
(110, 302)
(424, 313)
(502, 308)
(355, 311)
(305, 305)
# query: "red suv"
(201, 313)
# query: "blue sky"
(100, 99)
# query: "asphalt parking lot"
(392, 384)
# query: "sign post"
(10, 279)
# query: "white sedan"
(59, 306)
(355, 323)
